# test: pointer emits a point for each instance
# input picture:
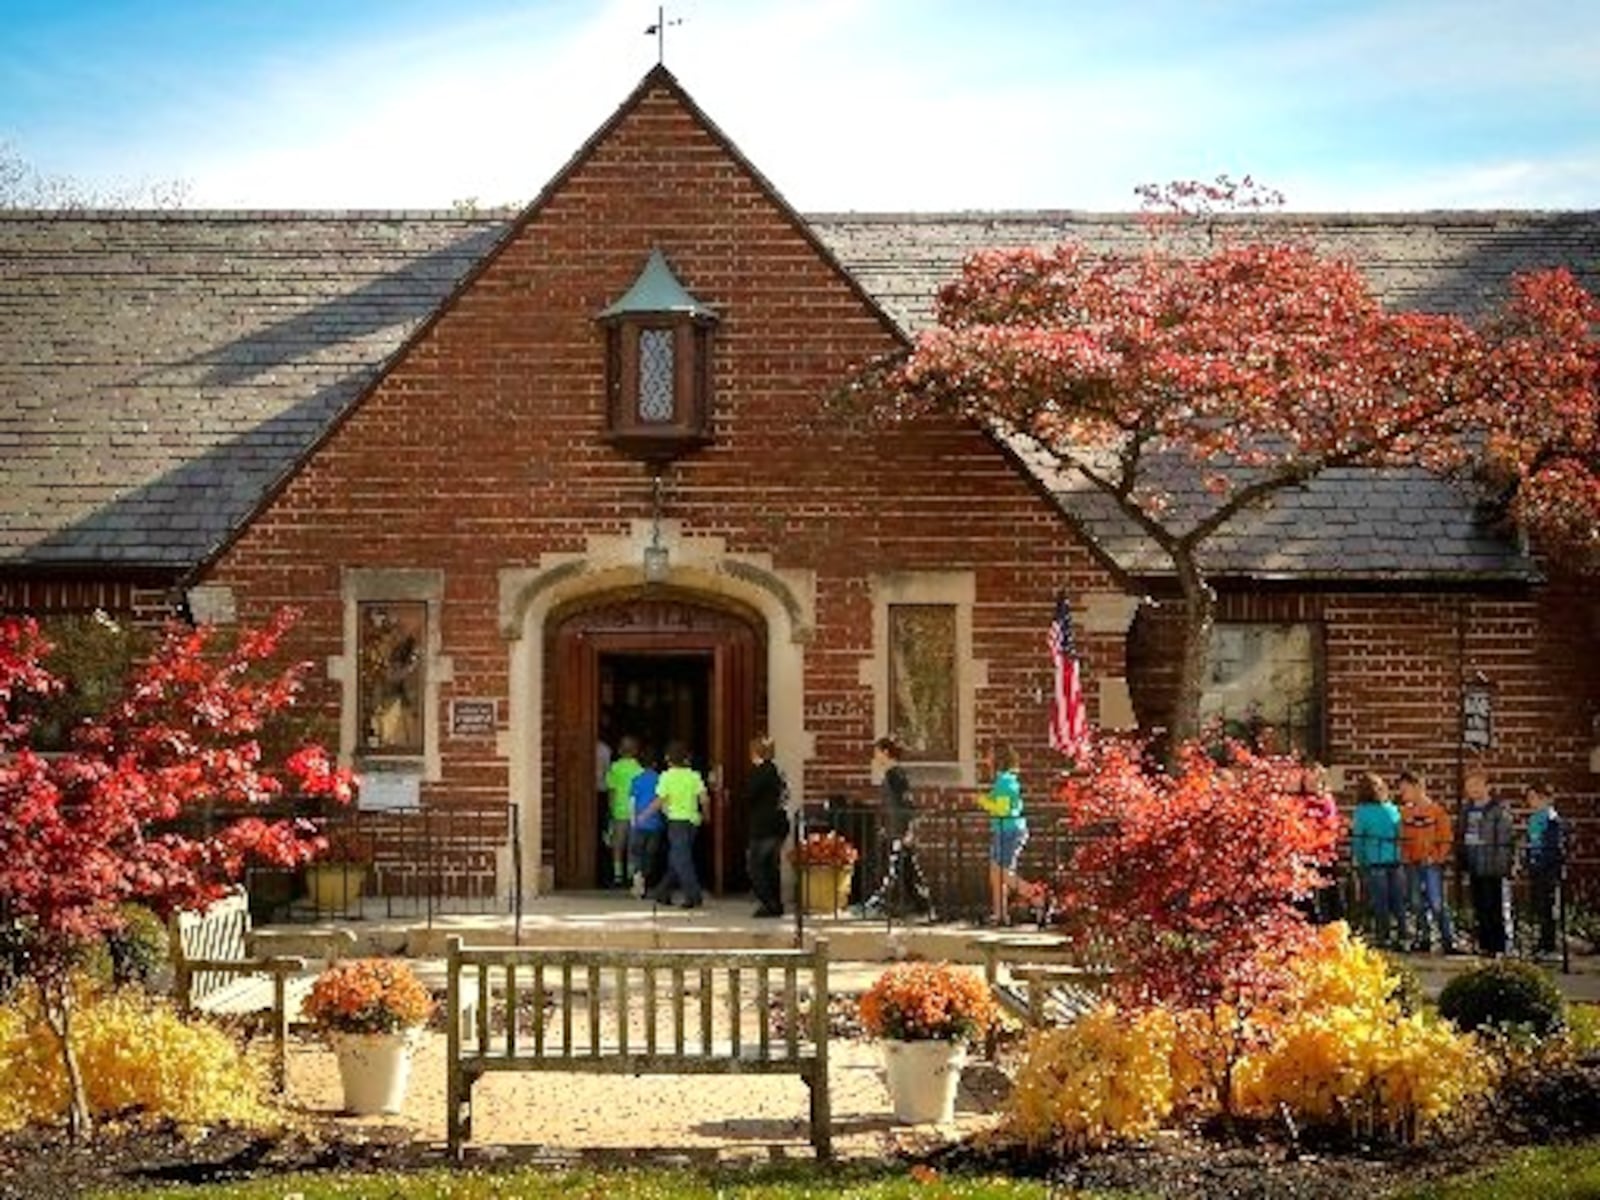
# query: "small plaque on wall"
(474, 718)
(1477, 718)
(385, 791)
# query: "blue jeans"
(1385, 897)
(680, 865)
(1425, 885)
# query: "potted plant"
(337, 877)
(826, 862)
(926, 1014)
(372, 1011)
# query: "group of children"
(649, 806)
(1402, 853)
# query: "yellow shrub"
(136, 1055)
(1106, 1076)
(1345, 1052)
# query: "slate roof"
(159, 372)
(1345, 525)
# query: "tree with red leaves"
(1191, 874)
(1190, 877)
(1196, 379)
(1542, 456)
(86, 830)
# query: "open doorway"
(658, 666)
(657, 699)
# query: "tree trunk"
(1199, 615)
(56, 1005)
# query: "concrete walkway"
(616, 920)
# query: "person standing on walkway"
(1008, 828)
(1546, 858)
(1375, 850)
(764, 791)
(624, 769)
(1426, 844)
(903, 879)
(1486, 832)
(681, 795)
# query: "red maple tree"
(1191, 875)
(86, 830)
(1197, 378)
(1542, 454)
(1190, 880)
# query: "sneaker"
(638, 885)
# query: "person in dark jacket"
(769, 827)
(903, 883)
(1486, 832)
(1546, 856)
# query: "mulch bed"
(40, 1164)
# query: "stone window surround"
(958, 589)
(359, 585)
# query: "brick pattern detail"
(142, 604)
(1394, 667)
(484, 448)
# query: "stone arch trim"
(785, 599)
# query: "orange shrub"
(368, 995)
(913, 1002)
(824, 850)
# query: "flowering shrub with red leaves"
(918, 1002)
(1190, 875)
(824, 850)
(368, 995)
(82, 832)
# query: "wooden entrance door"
(634, 630)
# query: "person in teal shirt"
(1008, 828)
(1375, 850)
(624, 769)
(681, 794)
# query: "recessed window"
(392, 649)
(1264, 685)
(923, 698)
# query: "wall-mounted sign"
(385, 791)
(211, 604)
(1477, 717)
(474, 718)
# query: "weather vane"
(660, 30)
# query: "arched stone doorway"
(658, 664)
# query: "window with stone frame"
(392, 656)
(1264, 685)
(923, 681)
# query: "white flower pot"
(374, 1068)
(923, 1077)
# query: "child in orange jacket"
(1426, 844)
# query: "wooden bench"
(1042, 978)
(219, 969)
(625, 1012)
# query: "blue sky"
(843, 104)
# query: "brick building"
(543, 478)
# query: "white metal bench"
(1042, 978)
(219, 970)
(623, 1012)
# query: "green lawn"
(530, 1183)
(1545, 1173)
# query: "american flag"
(1069, 720)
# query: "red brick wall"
(483, 449)
(1395, 664)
